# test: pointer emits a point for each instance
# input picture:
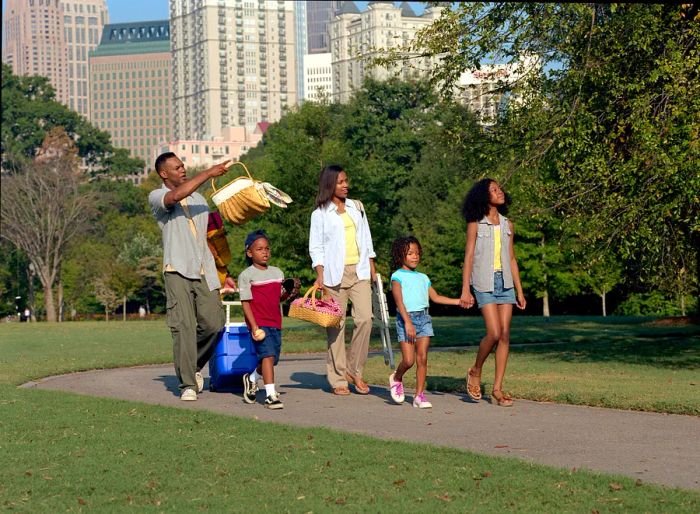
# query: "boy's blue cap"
(254, 236)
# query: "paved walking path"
(659, 448)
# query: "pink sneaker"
(420, 402)
(396, 390)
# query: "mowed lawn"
(63, 452)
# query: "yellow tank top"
(352, 252)
(497, 266)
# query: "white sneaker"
(188, 395)
(200, 381)
(420, 402)
(396, 389)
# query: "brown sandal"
(341, 391)
(473, 391)
(501, 399)
(360, 386)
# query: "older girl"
(491, 273)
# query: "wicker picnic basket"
(324, 311)
(241, 199)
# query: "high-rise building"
(34, 44)
(319, 16)
(301, 32)
(358, 37)
(318, 77)
(52, 38)
(83, 21)
(130, 76)
(234, 64)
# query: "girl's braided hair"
(399, 250)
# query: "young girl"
(491, 270)
(411, 291)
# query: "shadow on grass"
(666, 352)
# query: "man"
(194, 311)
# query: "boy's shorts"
(271, 346)
(422, 322)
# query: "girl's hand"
(521, 301)
(466, 301)
(410, 332)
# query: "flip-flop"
(358, 388)
(341, 391)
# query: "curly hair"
(476, 202)
(399, 250)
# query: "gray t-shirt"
(182, 252)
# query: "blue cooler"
(233, 357)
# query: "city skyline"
(126, 11)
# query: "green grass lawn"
(63, 452)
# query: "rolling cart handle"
(228, 309)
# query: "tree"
(30, 111)
(617, 97)
(42, 210)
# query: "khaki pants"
(195, 317)
(359, 292)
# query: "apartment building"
(358, 37)
(83, 22)
(130, 94)
(203, 153)
(53, 38)
(318, 77)
(234, 64)
(34, 43)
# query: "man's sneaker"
(273, 402)
(420, 402)
(396, 389)
(250, 388)
(200, 382)
(188, 395)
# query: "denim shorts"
(271, 346)
(499, 295)
(422, 322)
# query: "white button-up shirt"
(327, 242)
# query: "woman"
(340, 246)
(491, 270)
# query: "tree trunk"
(602, 297)
(59, 294)
(123, 308)
(682, 305)
(545, 304)
(106, 314)
(49, 303)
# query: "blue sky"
(122, 11)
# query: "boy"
(260, 288)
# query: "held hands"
(466, 301)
